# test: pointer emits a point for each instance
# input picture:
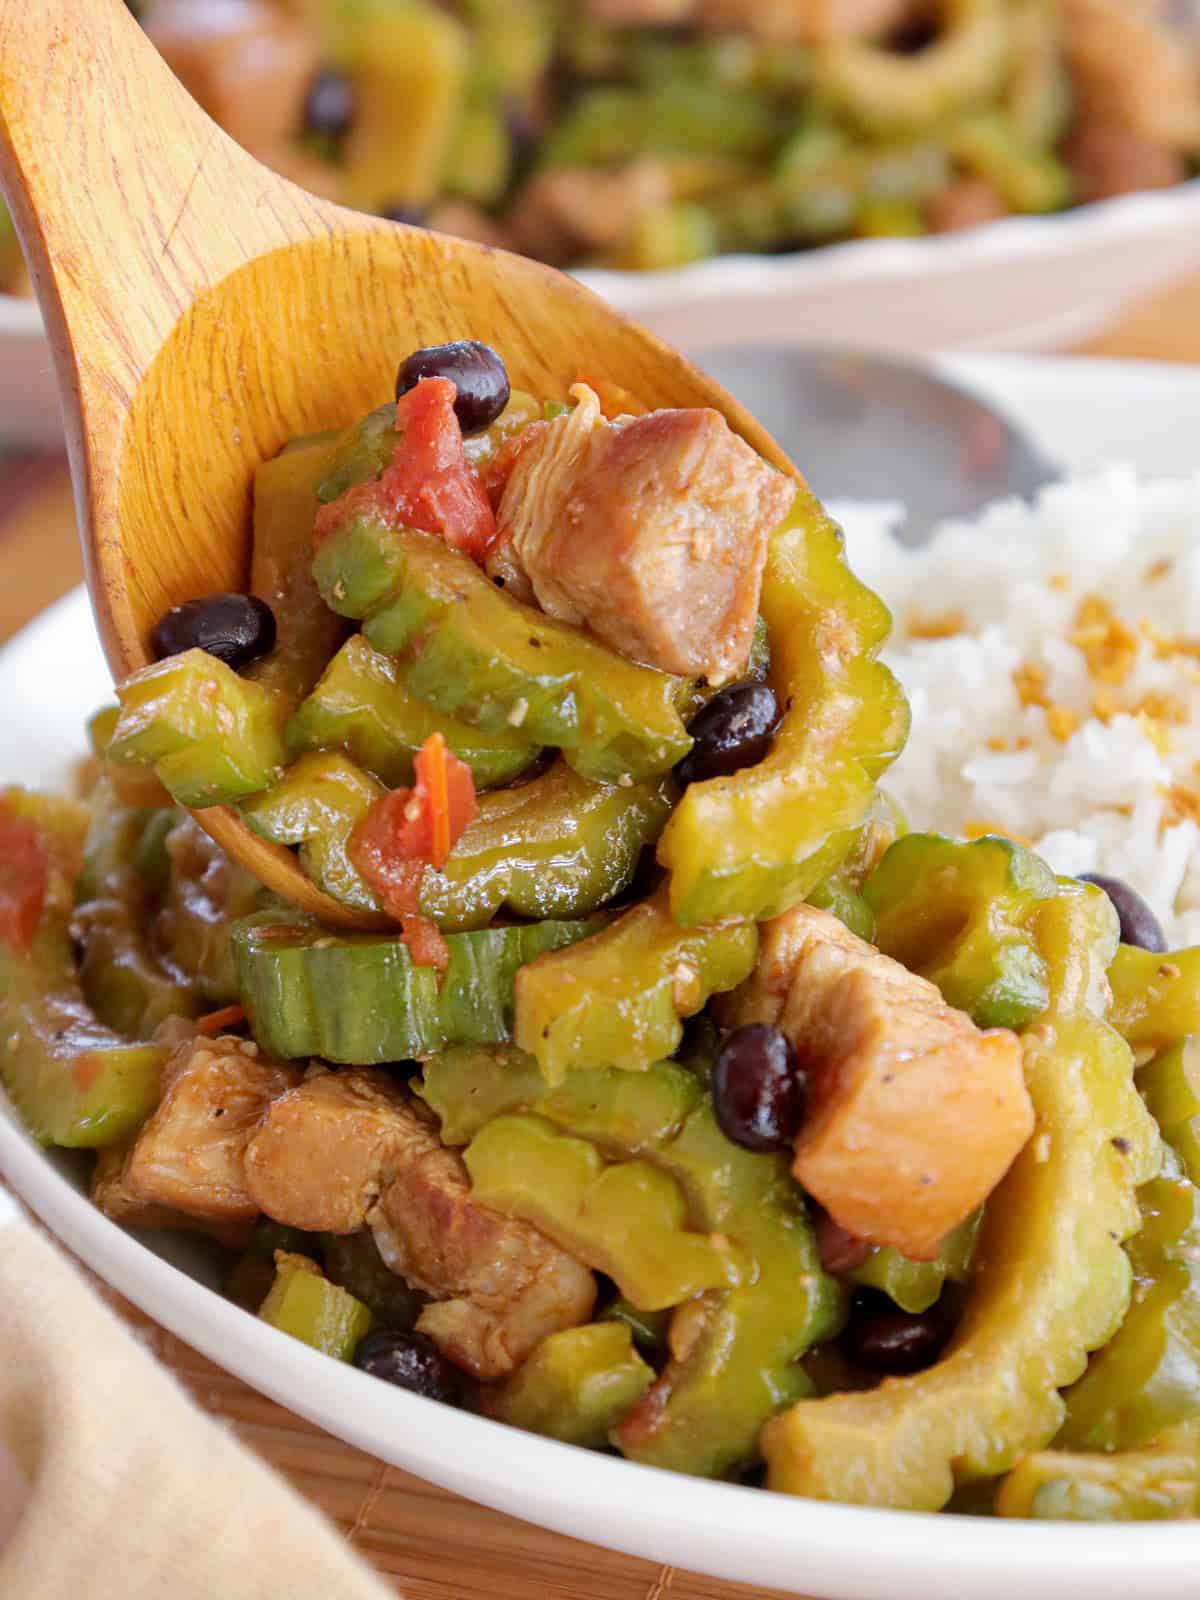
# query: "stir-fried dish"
(683, 1101)
(647, 134)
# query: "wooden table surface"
(431, 1545)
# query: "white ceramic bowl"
(1026, 284)
(53, 674)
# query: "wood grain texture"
(429, 1544)
(202, 311)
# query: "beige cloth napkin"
(113, 1485)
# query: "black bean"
(236, 628)
(882, 1338)
(734, 730)
(410, 1361)
(1139, 925)
(840, 1252)
(329, 106)
(475, 370)
(758, 1089)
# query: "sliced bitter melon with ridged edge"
(359, 1000)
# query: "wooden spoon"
(202, 311)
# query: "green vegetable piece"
(285, 506)
(73, 1081)
(1038, 97)
(608, 127)
(474, 652)
(618, 1000)
(513, 42)
(741, 1366)
(837, 895)
(705, 1414)
(352, 1260)
(648, 1329)
(205, 894)
(916, 1285)
(410, 62)
(1028, 177)
(124, 984)
(623, 1113)
(1159, 1483)
(317, 805)
(628, 1219)
(1155, 998)
(306, 1305)
(212, 737)
(758, 842)
(558, 846)
(666, 237)
(360, 453)
(125, 867)
(960, 914)
(890, 219)
(134, 787)
(523, 408)
(1147, 1377)
(10, 252)
(360, 706)
(576, 1386)
(479, 164)
(358, 1000)
(1170, 1086)
(883, 91)
(1054, 1282)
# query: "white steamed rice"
(1105, 774)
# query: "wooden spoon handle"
(129, 201)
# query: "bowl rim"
(858, 260)
(863, 260)
(723, 1529)
(728, 1528)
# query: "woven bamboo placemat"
(430, 1544)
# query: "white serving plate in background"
(52, 675)
(1024, 284)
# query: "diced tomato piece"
(216, 1022)
(425, 943)
(614, 400)
(24, 875)
(409, 829)
(429, 484)
(447, 789)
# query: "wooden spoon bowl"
(203, 311)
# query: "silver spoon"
(869, 427)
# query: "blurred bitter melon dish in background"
(685, 1102)
(633, 135)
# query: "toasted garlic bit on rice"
(1063, 708)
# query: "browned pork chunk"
(324, 1152)
(1108, 161)
(247, 62)
(965, 203)
(1128, 72)
(189, 1156)
(347, 1149)
(650, 531)
(914, 1114)
(560, 215)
